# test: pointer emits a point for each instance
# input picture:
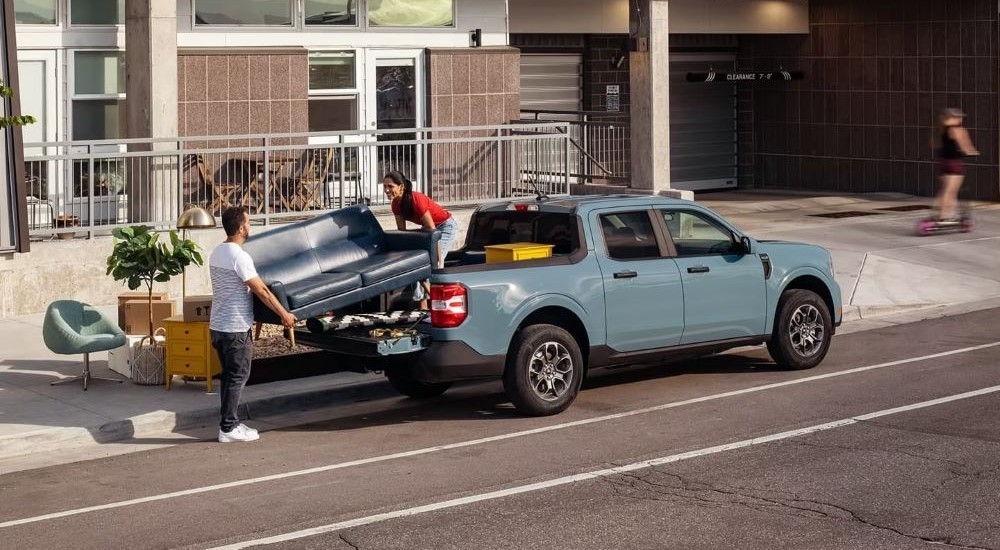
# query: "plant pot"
(148, 366)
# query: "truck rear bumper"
(454, 360)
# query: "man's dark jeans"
(235, 351)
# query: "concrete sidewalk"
(883, 269)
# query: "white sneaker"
(240, 433)
(248, 428)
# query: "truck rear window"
(559, 229)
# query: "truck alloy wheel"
(802, 330)
(544, 370)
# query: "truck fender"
(789, 280)
(594, 333)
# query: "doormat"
(847, 214)
(904, 208)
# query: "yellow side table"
(190, 351)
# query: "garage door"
(551, 82)
(702, 124)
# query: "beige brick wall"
(469, 87)
(239, 92)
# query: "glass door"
(394, 101)
(37, 79)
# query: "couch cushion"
(282, 254)
(356, 223)
(312, 289)
(383, 266)
(295, 267)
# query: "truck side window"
(629, 236)
(695, 235)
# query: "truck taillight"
(449, 305)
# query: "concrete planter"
(108, 209)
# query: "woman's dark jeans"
(235, 351)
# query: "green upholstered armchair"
(72, 327)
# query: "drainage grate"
(847, 214)
(905, 208)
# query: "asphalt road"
(893, 442)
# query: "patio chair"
(72, 327)
(313, 179)
(223, 193)
(302, 189)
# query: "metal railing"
(600, 143)
(88, 188)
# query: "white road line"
(475, 442)
(333, 527)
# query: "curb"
(161, 423)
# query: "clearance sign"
(745, 76)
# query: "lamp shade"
(196, 217)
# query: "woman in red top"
(415, 207)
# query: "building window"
(333, 113)
(99, 95)
(411, 13)
(333, 94)
(35, 12)
(332, 71)
(331, 12)
(260, 13)
(97, 12)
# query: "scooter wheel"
(925, 228)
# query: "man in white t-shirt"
(234, 278)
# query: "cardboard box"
(197, 308)
(137, 315)
(120, 359)
(137, 295)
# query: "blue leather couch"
(336, 259)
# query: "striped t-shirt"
(232, 303)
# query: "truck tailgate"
(368, 335)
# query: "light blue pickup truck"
(631, 279)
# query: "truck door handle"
(698, 269)
(626, 275)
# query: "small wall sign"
(612, 102)
(745, 76)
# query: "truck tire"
(544, 370)
(802, 330)
(402, 379)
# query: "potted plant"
(108, 199)
(140, 258)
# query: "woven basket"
(148, 365)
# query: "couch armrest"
(414, 240)
(263, 313)
(278, 289)
(411, 240)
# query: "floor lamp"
(195, 217)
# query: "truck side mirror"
(746, 245)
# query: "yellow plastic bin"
(498, 253)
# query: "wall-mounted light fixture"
(476, 37)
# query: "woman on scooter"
(952, 144)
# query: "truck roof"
(573, 203)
